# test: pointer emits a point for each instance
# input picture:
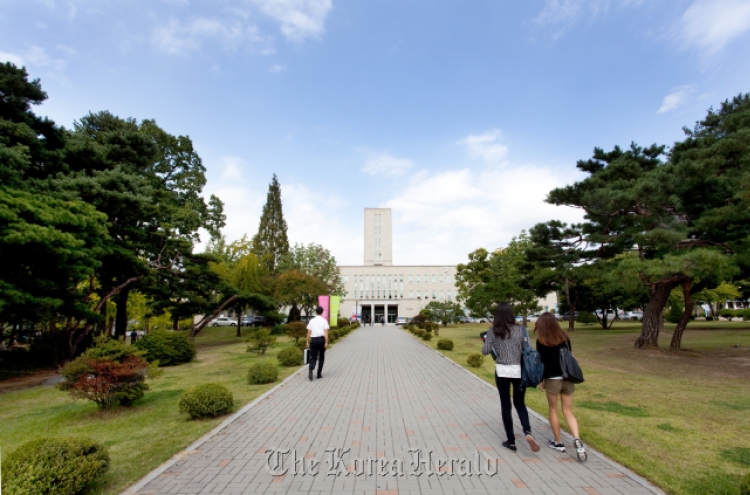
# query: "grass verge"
(679, 420)
(141, 437)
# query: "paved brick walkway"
(383, 393)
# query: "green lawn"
(682, 421)
(142, 437)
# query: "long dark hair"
(504, 321)
(548, 331)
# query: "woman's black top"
(550, 358)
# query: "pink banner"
(323, 301)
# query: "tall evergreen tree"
(271, 242)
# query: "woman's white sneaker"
(580, 451)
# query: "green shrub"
(110, 374)
(445, 344)
(279, 329)
(296, 330)
(729, 313)
(260, 340)
(427, 336)
(586, 317)
(675, 312)
(342, 322)
(53, 466)
(206, 401)
(419, 332)
(744, 314)
(263, 372)
(291, 356)
(475, 360)
(168, 348)
(301, 344)
(333, 335)
(709, 318)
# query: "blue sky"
(460, 116)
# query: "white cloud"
(442, 217)
(387, 165)
(676, 98)
(710, 24)
(562, 14)
(233, 168)
(12, 58)
(181, 38)
(276, 68)
(39, 60)
(300, 19)
(486, 147)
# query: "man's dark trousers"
(317, 353)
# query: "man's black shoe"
(320, 376)
(309, 375)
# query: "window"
(447, 278)
(346, 279)
(441, 294)
(411, 278)
(449, 295)
(355, 292)
(440, 279)
(433, 295)
(433, 279)
(411, 295)
(418, 294)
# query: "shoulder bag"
(571, 371)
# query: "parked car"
(566, 316)
(247, 321)
(402, 320)
(633, 315)
(258, 321)
(223, 321)
(466, 319)
(481, 320)
(610, 314)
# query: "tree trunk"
(680, 329)
(121, 318)
(239, 322)
(571, 307)
(652, 314)
(175, 323)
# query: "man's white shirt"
(318, 326)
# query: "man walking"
(317, 341)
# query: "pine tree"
(271, 241)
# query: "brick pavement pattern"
(387, 408)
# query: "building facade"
(379, 290)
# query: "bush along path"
(387, 405)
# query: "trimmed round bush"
(445, 344)
(168, 348)
(586, 317)
(342, 322)
(427, 336)
(301, 345)
(206, 401)
(291, 356)
(279, 329)
(263, 372)
(475, 360)
(333, 335)
(419, 332)
(296, 330)
(53, 466)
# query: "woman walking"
(505, 342)
(549, 339)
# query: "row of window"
(375, 294)
(362, 280)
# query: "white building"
(379, 289)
